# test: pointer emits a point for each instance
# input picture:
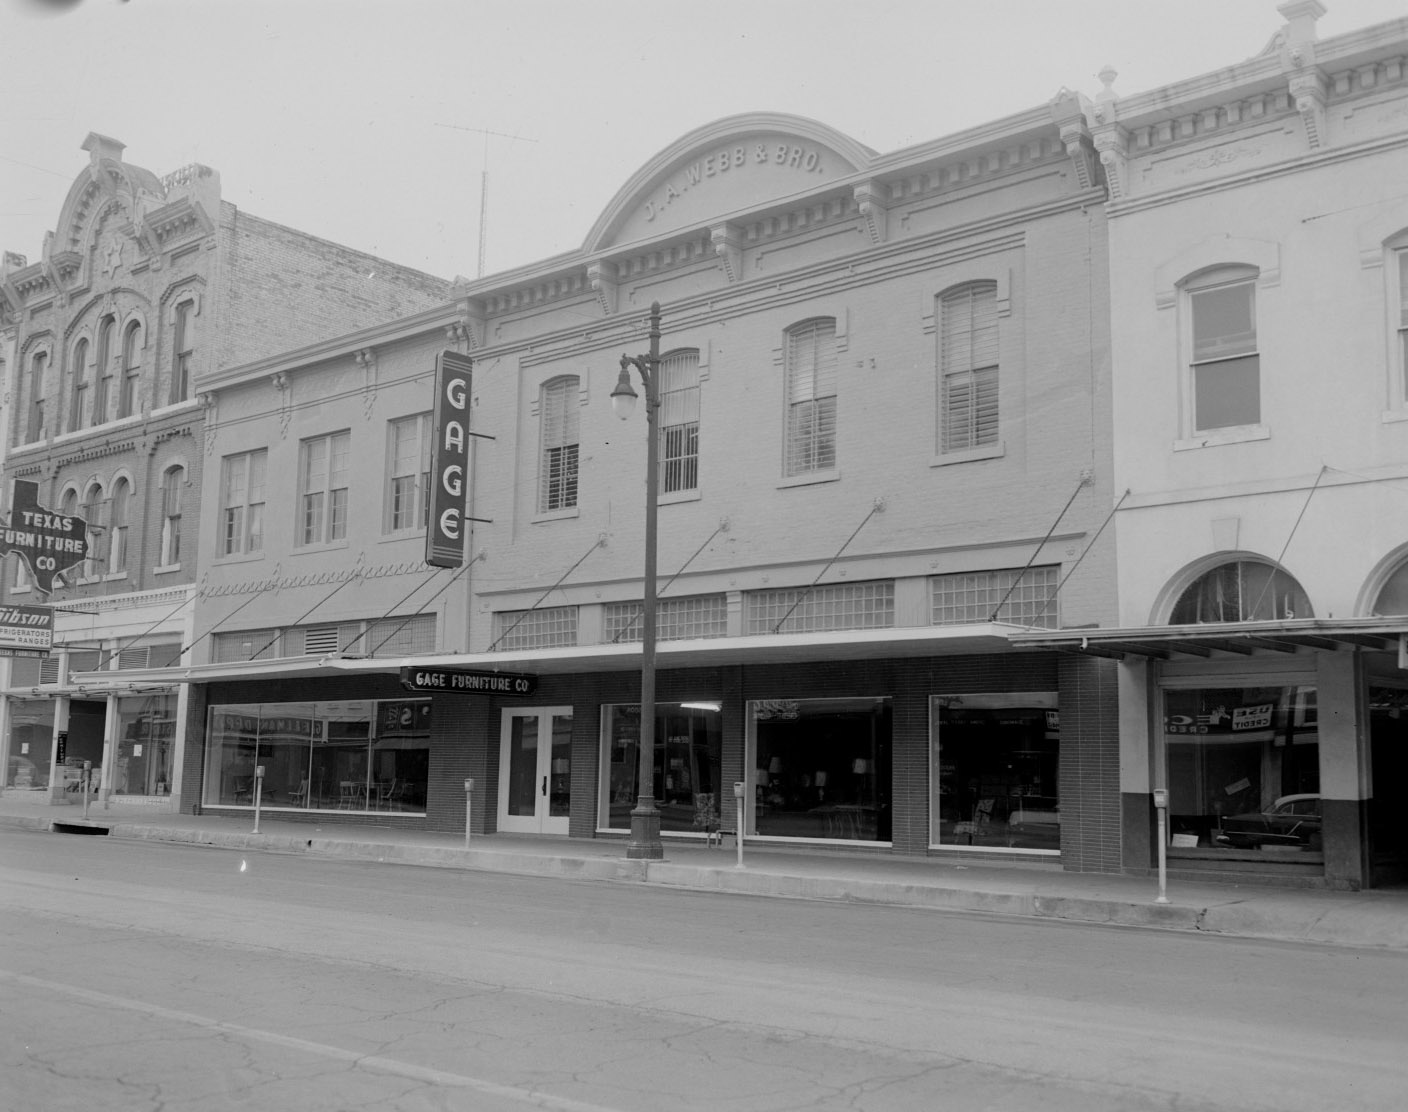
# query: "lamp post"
(645, 841)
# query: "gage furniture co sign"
(47, 542)
(449, 460)
(465, 681)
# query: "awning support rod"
(878, 507)
(421, 609)
(721, 528)
(601, 540)
(397, 604)
(1108, 518)
(1305, 506)
(356, 575)
(1085, 480)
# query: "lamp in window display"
(645, 840)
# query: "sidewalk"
(1376, 919)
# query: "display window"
(31, 743)
(146, 731)
(350, 755)
(688, 765)
(995, 760)
(1243, 770)
(820, 768)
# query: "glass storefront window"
(995, 763)
(31, 743)
(688, 765)
(351, 755)
(1243, 769)
(146, 731)
(820, 768)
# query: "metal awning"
(784, 648)
(1223, 640)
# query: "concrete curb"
(1355, 921)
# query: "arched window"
(92, 513)
(560, 431)
(1241, 591)
(118, 526)
(37, 430)
(103, 393)
(679, 421)
(184, 347)
(127, 403)
(171, 484)
(78, 395)
(811, 397)
(968, 365)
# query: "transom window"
(549, 628)
(675, 619)
(242, 503)
(811, 398)
(1241, 591)
(557, 488)
(679, 421)
(831, 606)
(323, 476)
(1021, 597)
(1225, 365)
(968, 367)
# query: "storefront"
(992, 755)
(1279, 744)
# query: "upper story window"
(1225, 367)
(408, 472)
(557, 478)
(242, 503)
(118, 526)
(92, 513)
(103, 393)
(323, 476)
(811, 398)
(679, 421)
(183, 348)
(171, 485)
(1241, 591)
(38, 364)
(968, 367)
(127, 401)
(78, 393)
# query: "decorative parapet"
(602, 276)
(1111, 142)
(1069, 116)
(873, 202)
(728, 246)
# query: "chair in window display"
(299, 798)
(350, 798)
(706, 817)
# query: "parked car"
(1291, 820)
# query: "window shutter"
(811, 397)
(968, 359)
(558, 479)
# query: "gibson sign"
(47, 542)
(449, 460)
(467, 682)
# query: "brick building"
(1258, 235)
(884, 448)
(145, 284)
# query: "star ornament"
(47, 542)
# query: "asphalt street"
(144, 976)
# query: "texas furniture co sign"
(449, 460)
(48, 543)
(463, 681)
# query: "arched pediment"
(731, 165)
(106, 179)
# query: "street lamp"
(645, 841)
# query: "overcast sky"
(343, 118)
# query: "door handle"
(545, 785)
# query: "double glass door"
(535, 770)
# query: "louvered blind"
(968, 357)
(679, 421)
(558, 479)
(811, 397)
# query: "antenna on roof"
(484, 179)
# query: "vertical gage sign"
(449, 460)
